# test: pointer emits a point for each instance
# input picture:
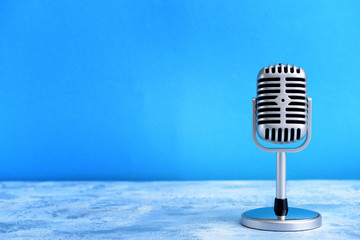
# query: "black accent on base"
(281, 207)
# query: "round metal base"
(297, 219)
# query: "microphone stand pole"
(281, 206)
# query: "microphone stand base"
(297, 219)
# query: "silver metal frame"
(301, 147)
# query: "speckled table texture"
(168, 210)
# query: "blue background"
(161, 90)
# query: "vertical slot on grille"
(266, 98)
(268, 80)
(279, 69)
(293, 79)
(298, 133)
(286, 135)
(267, 134)
(267, 85)
(292, 135)
(297, 103)
(273, 134)
(292, 69)
(286, 69)
(295, 91)
(269, 91)
(279, 134)
(295, 85)
(298, 70)
(269, 110)
(297, 97)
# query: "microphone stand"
(281, 217)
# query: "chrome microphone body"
(281, 114)
(281, 104)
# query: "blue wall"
(155, 90)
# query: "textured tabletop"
(168, 210)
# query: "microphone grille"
(281, 104)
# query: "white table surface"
(168, 210)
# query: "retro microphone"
(281, 116)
